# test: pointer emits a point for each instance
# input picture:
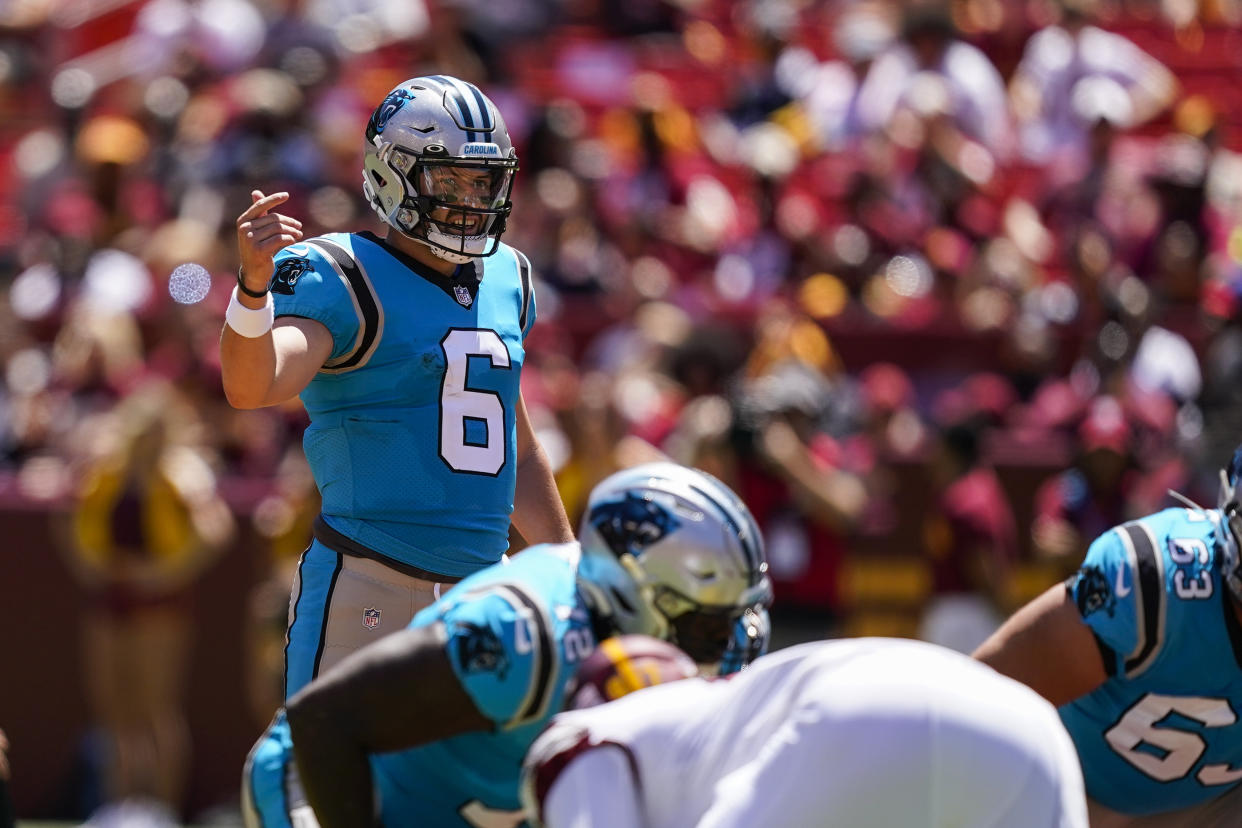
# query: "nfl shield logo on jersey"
(370, 618)
(463, 295)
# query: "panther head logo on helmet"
(384, 112)
(632, 523)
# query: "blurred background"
(943, 291)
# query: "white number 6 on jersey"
(460, 405)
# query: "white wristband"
(250, 322)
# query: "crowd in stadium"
(942, 291)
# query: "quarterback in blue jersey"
(429, 726)
(1142, 651)
(407, 353)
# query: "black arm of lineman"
(6, 805)
(364, 705)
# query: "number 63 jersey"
(412, 418)
(1163, 732)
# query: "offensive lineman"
(1142, 650)
(429, 726)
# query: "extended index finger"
(262, 206)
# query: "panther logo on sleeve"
(1094, 593)
(287, 274)
(632, 523)
(479, 650)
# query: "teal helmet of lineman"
(672, 552)
(438, 166)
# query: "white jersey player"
(861, 732)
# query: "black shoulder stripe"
(366, 304)
(540, 695)
(524, 272)
(1149, 582)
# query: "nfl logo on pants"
(370, 618)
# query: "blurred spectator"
(1070, 71)
(890, 411)
(930, 66)
(830, 93)
(799, 484)
(1078, 505)
(283, 520)
(970, 540)
(1176, 264)
(147, 522)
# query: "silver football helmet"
(670, 551)
(1231, 513)
(439, 166)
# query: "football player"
(1142, 650)
(863, 732)
(429, 726)
(407, 352)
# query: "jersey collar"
(466, 276)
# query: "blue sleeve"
(751, 635)
(305, 284)
(500, 649)
(1110, 593)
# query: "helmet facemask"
(1231, 513)
(704, 632)
(456, 206)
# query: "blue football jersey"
(1162, 733)
(515, 634)
(412, 419)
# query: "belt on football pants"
(337, 542)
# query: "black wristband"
(253, 294)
